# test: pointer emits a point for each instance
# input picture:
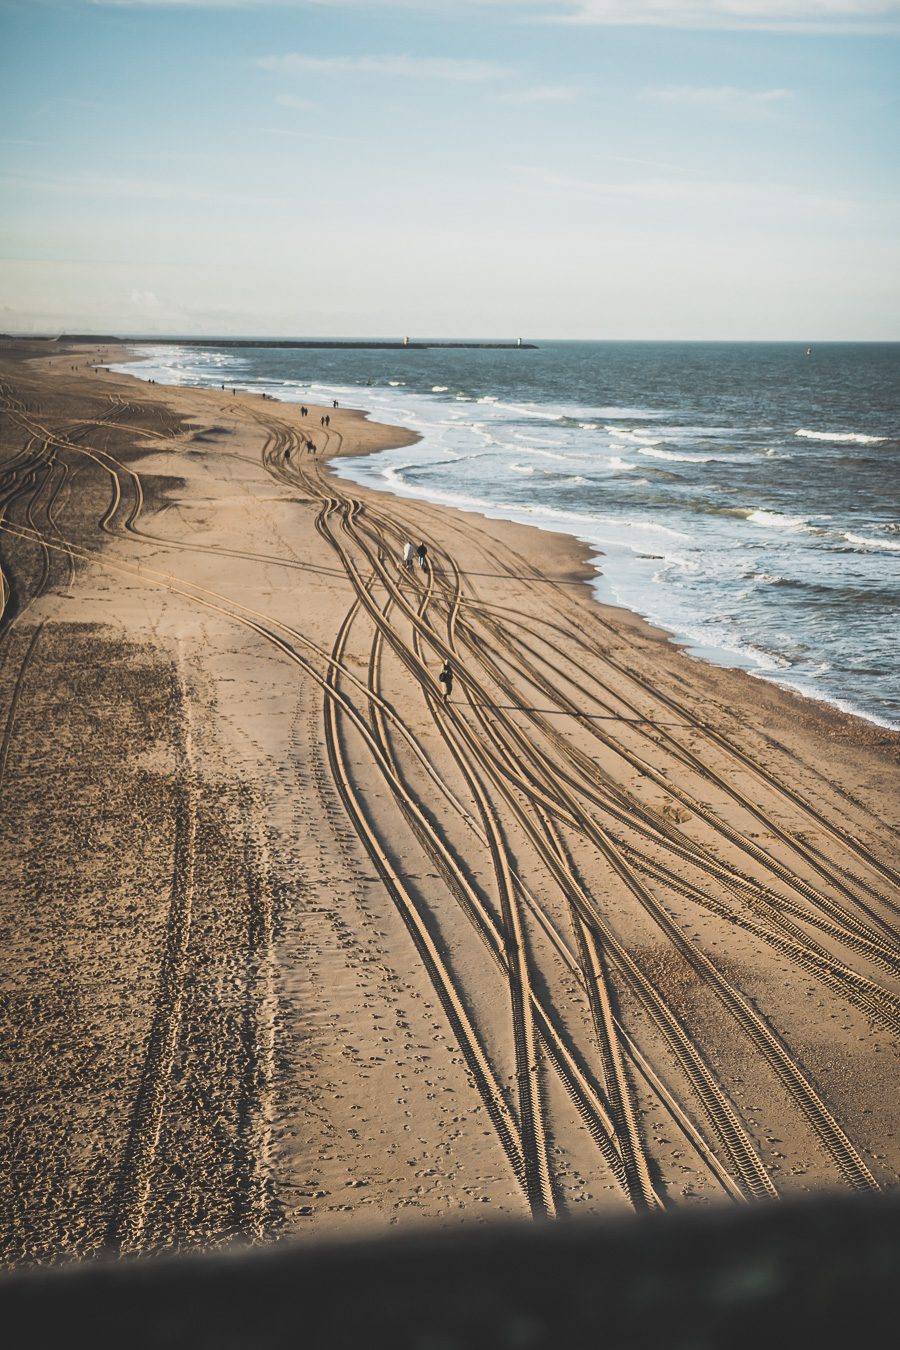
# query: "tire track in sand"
(136, 1173)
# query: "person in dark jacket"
(422, 554)
(445, 679)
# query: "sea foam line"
(855, 437)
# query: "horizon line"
(101, 337)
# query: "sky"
(636, 169)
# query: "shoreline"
(305, 944)
(587, 558)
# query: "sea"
(743, 496)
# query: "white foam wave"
(641, 437)
(622, 465)
(832, 700)
(863, 542)
(393, 473)
(853, 437)
(653, 452)
(575, 416)
(545, 454)
(439, 388)
(532, 441)
(774, 520)
(626, 414)
(521, 468)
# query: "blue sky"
(551, 168)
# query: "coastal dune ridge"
(343, 891)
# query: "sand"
(295, 948)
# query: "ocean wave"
(569, 416)
(631, 414)
(532, 441)
(622, 465)
(775, 520)
(832, 700)
(393, 473)
(856, 437)
(544, 454)
(641, 437)
(862, 542)
(521, 468)
(653, 452)
(592, 419)
(439, 388)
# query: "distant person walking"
(334, 403)
(445, 680)
(407, 554)
(422, 554)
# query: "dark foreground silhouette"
(747, 1279)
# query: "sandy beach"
(295, 947)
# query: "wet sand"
(294, 948)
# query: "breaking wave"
(852, 437)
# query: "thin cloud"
(663, 164)
(787, 16)
(146, 189)
(314, 136)
(541, 93)
(388, 67)
(293, 101)
(722, 97)
(424, 6)
(678, 195)
(827, 16)
(199, 4)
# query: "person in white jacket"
(407, 554)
